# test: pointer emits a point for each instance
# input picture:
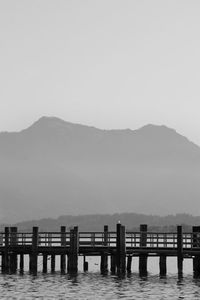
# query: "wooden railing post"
(196, 244)
(105, 235)
(180, 250)
(63, 255)
(13, 254)
(104, 255)
(73, 251)
(34, 254)
(121, 249)
(5, 256)
(143, 257)
(196, 236)
(143, 235)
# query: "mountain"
(56, 167)
(96, 222)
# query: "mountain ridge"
(54, 166)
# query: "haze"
(111, 64)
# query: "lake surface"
(93, 285)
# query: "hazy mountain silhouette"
(95, 222)
(56, 167)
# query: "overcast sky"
(107, 63)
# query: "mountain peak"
(47, 123)
(159, 131)
(47, 120)
(153, 127)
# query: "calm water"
(92, 285)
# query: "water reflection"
(93, 285)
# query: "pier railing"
(100, 239)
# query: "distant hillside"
(56, 167)
(96, 222)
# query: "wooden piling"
(143, 244)
(45, 258)
(180, 250)
(73, 251)
(121, 249)
(113, 263)
(53, 263)
(104, 263)
(196, 266)
(129, 262)
(63, 263)
(85, 264)
(163, 265)
(30, 263)
(5, 256)
(63, 244)
(21, 263)
(34, 254)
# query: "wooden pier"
(119, 246)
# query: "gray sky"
(107, 63)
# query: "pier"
(116, 249)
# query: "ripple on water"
(94, 286)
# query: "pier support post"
(34, 254)
(196, 266)
(196, 243)
(163, 265)
(21, 263)
(13, 255)
(5, 256)
(30, 263)
(143, 244)
(180, 250)
(45, 257)
(113, 263)
(121, 249)
(129, 262)
(85, 264)
(104, 255)
(63, 244)
(73, 251)
(53, 263)
(104, 263)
